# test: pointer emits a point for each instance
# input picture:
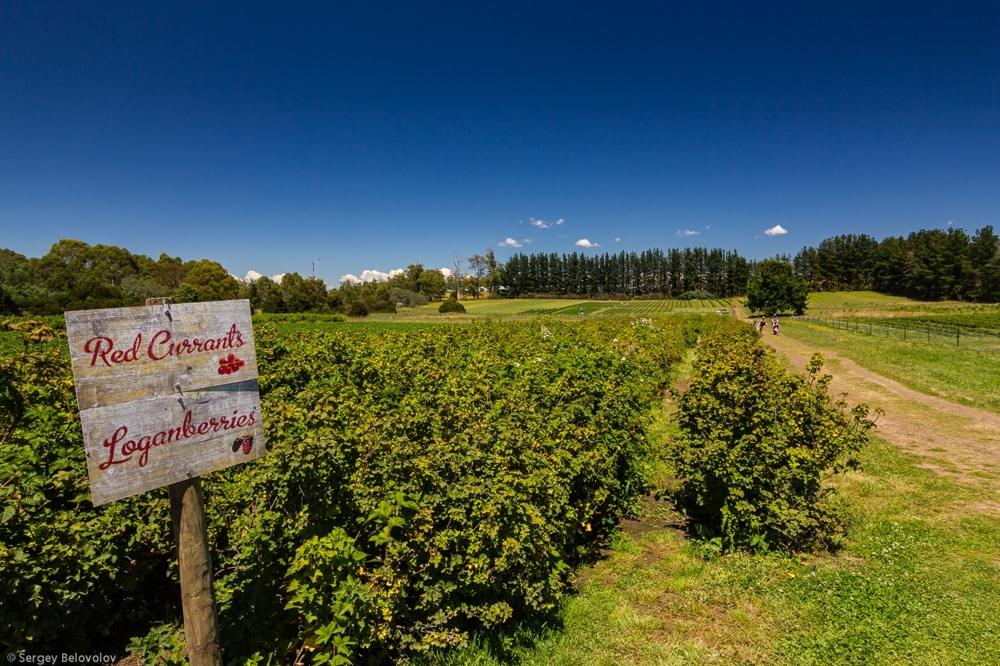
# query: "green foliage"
(470, 467)
(624, 275)
(696, 294)
(7, 304)
(302, 317)
(69, 573)
(776, 289)
(407, 298)
(451, 305)
(756, 442)
(418, 485)
(76, 276)
(327, 592)
(930, 264)
(357, 309)
(164, 645)
(373, 295)
(207, 281)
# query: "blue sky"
(375, 134)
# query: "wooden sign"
(166, 392)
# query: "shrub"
(418, 485)
(457, 474)
(357, 309)
(756, 442)
(696, 295)
(69, 574)
(451, 305)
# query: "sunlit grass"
(860, 300)
(965, 376)
(917, 583)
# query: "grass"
(871, 302)
(568, 307)
(855, 300)
(515, 306)
(986, 320)
(965, 376)
(917, 583)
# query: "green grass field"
(965, 376)
(986, 320)
(516, 306)
(533, 307)
(857, 301)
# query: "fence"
(911, 331)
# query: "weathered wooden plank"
(124, 354)
(141, 445)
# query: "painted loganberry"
(245, 442)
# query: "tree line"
(74, 275)
(694, 272)
(927, 265)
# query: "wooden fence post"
(201, 621)
(187, 512)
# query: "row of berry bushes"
(418, 485)
(756, 443)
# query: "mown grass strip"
(966, 376)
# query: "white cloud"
(583, 242)
(526, 240)
(776, 230)
(253, 276)
(560, 221)
(370, 275)
(446, 272)
(617, 240)
(951, 222)
(687, 232)
(541, 224)
(510, 242)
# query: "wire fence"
(911, 331)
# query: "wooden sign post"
(167, 393)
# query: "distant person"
(581, 309)
(760, 326)
(774, 325)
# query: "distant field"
(986, 321)
(562, 307)
(856, 300)
(649, 308)
(512, 306)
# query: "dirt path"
(954, 439)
